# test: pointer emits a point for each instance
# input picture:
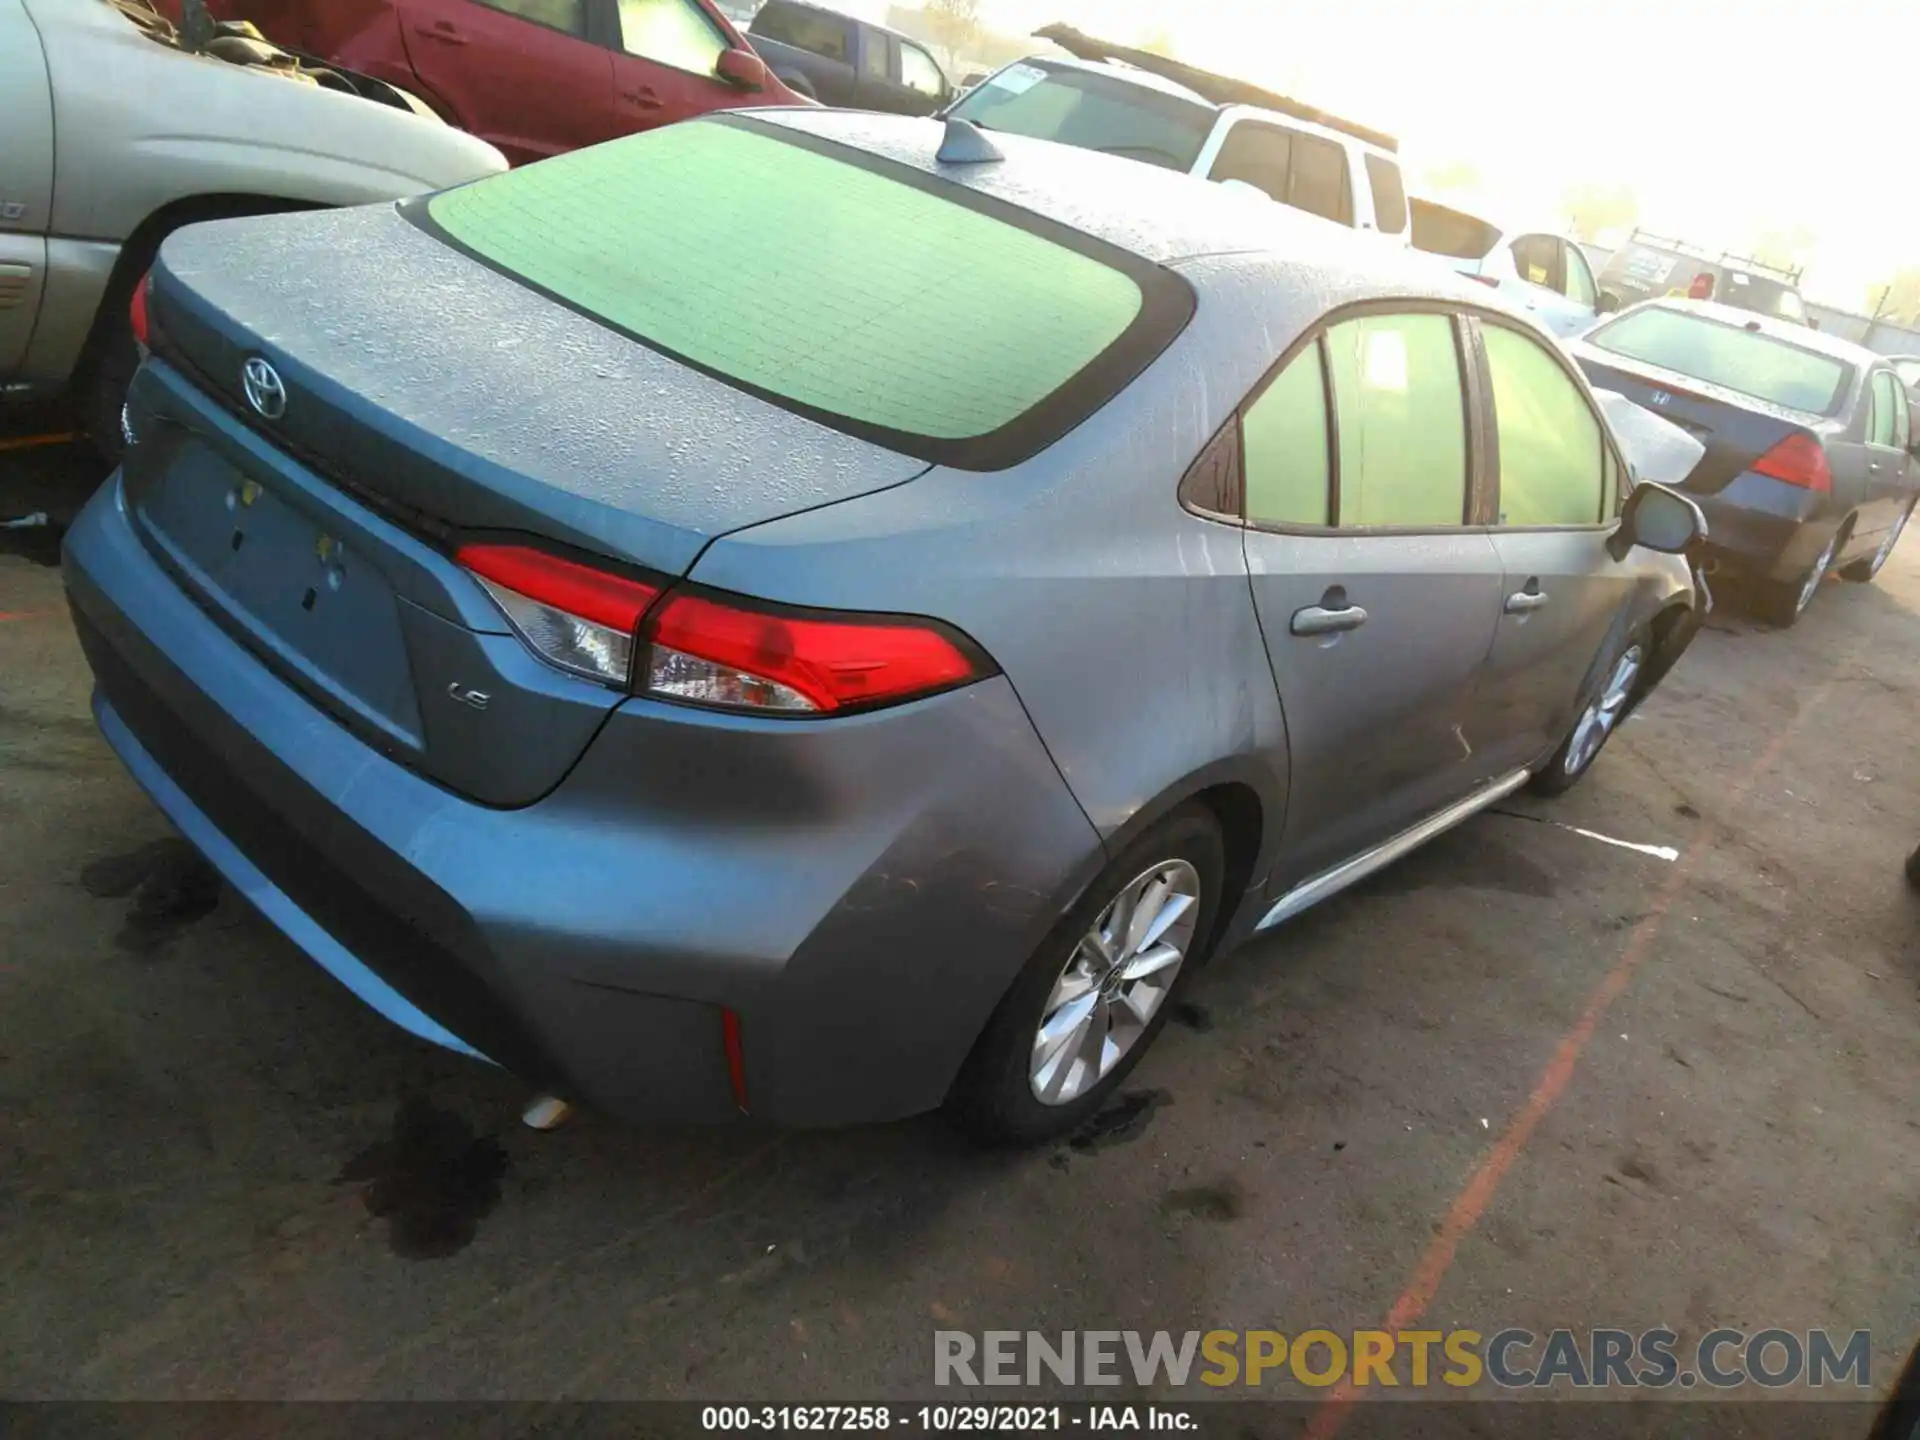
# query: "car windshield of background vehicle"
(824, 284)
(1753, 364)
(1092, 111)
(1441, 231)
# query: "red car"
(533, 77)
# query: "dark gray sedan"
(1809, 447)
(756, 619)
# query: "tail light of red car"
(137, 310)
(704, 647)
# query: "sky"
(1728, 118)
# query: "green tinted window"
(1284, 446)
(1403, 429)
(806, 277)
(1550, 463)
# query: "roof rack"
(1789, 273)
(1220, 89)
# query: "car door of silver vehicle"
(1581, 295)
(1376, 599)
(1554, 474)
(26, 182)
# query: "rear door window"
(1258, 155)
(1552, 466)
(569, 16)
(1579, 278)
(882, 302)
(1400, 415)
(1320, 184)
(1284, 447)
(1896, 401)
(1537, 258)
(874, 59)
(1389, 195)
(1880, 408)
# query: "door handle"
(1523, 602)
(442, 31)
(1318, 620)
(644, 97)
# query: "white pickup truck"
(151, 138)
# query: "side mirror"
(1607, 303)
(742, 69)
(1659, 519)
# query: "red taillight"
(722, 651)
(736, 1056)
(1799, 460)
(581, 618)
(137, 309)
(711, 650)
(1490, 281)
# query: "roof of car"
(1159, 214)
(1805, 337)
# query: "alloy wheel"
(1597, 722)
(1117, 978)
(1893, 538)
(1811, 585)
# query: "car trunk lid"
(425, 399)
(1735, 429)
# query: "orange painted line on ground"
(34, 442)
(1472, 1201)
(25, 614)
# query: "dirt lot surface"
(1523, 1078)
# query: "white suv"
(1343, 172)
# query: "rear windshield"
(1441, 231)
(1092, 111)
(879, 300)
(1743, 360)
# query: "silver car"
(1536, 269)
(757, 618)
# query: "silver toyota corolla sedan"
(758, 619)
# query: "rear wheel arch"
(107, 359)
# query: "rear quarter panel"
(1125, 623)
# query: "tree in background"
(1594, 210)
(955, 25)
(1897, 299)
(1785, 247)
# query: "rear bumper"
(858, 892)
(1765, 529)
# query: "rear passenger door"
(1376, 596)
(527, 76)
(1887, 489)
(1541, 263)
(1555, 477)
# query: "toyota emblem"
(265, 390)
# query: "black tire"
(1781, 603)
(1560, 774)
(992, 1101)
(1863, 572)
(106, 369)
